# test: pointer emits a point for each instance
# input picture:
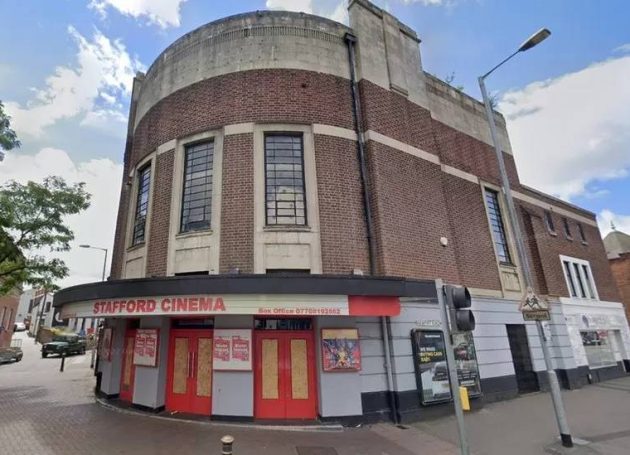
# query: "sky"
(66, 70)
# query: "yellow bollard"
(463, 396)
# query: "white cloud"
(606, 217)
(623, 48)
(104, 71)
(96, 225)
(336, 10)
(165, 13)
(572, 131)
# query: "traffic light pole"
(452, 368)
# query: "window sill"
(286, 228)
(137, 246)
(570, 239)
(584, 243)
(553, 233)
(188, 234)
(507, 265)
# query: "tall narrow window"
(578, 277)
(589, 283)
(284, 180)
(567, 272)
(142, 205)
(549, 221)
(197, 193)
(567, 228)
(581, 231)
(497, 226)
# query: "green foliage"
(32, 219)
(8, 138)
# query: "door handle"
(193, 369)
(188, 366)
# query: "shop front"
(238, 347)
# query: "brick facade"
(237, 204)
(414, 202)
(621, 272)
(157, 253)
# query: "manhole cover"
(316, 451)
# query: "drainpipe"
(351, 40)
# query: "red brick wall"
(550, 248)
(341, 214)
(621, 273)
(237, 204)
(410, 215)
(157, 253)
(470, 240)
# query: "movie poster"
(105, 348)
(232, 350)
(145, 347)
(340, 350)
(432, 368)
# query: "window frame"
(566, 228)
(581, 232)
(580, 281)
(208, 194)
(147, 167)
(548, 219)
(503, 226)
(295, 134)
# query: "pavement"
(44, 411)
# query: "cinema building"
(279, 235)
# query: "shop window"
(567, 228)
(598, 349)
(283, 324)
(497, 226)
(285, 192)
(142, 205)
(549, 222)
(197, 191)
(579, 278)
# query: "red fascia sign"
(256, 304)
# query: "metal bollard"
(227, 441)
(63, 361)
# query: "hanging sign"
(232, 350)
(146, 347)
(340, 350)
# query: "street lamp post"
(563, 426)
(94, 326)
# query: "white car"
(19, 327)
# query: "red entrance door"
(189, 382)
(128, 369)
(285, 375)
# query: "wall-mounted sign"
(105, 344)
(232, 349)
(145, 352)
(259, 304)
(340, 350)
(431, 366)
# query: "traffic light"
(458, 303)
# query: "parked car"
(19, 327)
(10, 354)
(64, 345)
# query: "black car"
(64, 345)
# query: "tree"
(8, 138)
(32, 220)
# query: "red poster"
(140, 344)
(222, 349)
(145, 352)
(149, 347)
(240, 349)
